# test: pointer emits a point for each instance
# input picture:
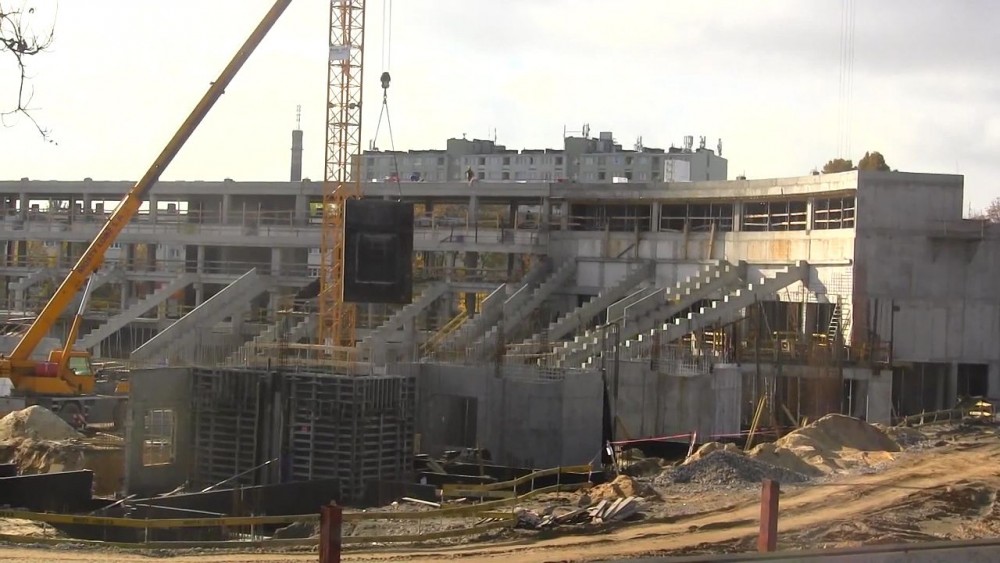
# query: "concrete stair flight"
(178, 341)
(728, 309)
(490, 311)
(35, 277)
(94, 338)
(406, 314)
(244, 354)
(584, 314)
(646, 309)
(517, 308)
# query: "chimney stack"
(296, 173)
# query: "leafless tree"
(19, 42)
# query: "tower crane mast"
(341, 180)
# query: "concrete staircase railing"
(644, 309)
(232, 301)
(579, 317)
(521, 304)
(94, 338)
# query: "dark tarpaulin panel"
(378, 253)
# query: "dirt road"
(947, 491)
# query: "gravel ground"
(728, 470)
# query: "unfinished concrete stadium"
(683, 306)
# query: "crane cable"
(386, 78)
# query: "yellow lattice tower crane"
(341, 177)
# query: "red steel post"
(767, 540)
(331, 519)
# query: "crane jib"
(94, 255)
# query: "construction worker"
(470, 175)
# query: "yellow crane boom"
(18, 365)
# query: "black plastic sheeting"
(303, 497)
(65, 491)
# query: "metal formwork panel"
(226, 425)
(351, 428)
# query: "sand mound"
(835, 432)
(708, 448)
(36, 423)
(788, 459)
(623, 486)
(832, 443)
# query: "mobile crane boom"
(18, 363)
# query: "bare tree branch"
(19, 41)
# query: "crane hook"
(385, 80)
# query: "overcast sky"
(764, 76)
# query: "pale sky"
(764, 76)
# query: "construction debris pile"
(832, 444)
(725, 468)
(615, 501)
(38, 441)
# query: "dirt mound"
(832, 443)
(728, 468)
(905, 436)
(623, 486)
(785, 458)
(708, 448)
(835, 432)
(36, 423)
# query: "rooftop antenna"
(719, 146)
(638, 144)
(298, 116)
(701, 142)
(586, 130)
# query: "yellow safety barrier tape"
(466, 489)
(292, 542)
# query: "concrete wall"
(667, 402)
(163, 388)
(914, 251)
(521, 418)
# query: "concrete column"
(87, 211)
(227, 201)
(512, 214)
(153, 212)
(275, 261)
(22, 205)
(564, 216)
(809, 213)
(199, 287)
(654, 217)
(545, 215)
(473, 209)
(950, 395)
(737, 216)
(301, 209)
